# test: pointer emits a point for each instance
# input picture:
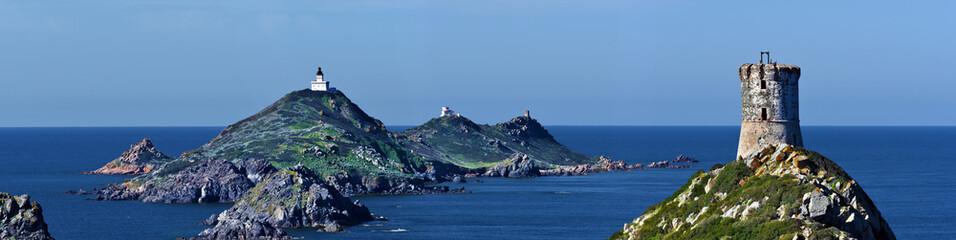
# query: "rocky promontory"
(141, 158)
(21, 218)
(290, 198)
(518, 165)
(780, 192)
(208, 181)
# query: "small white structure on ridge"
(445, 111)
(318, 84)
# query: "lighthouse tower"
(769, 105)
(319, 84)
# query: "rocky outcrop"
(21, 218)
(458, 140)
(208, 181)
(518, 165)
(604, 164)
(141, 158)
(684, 159)
(361, 185)
(780, 192)
(290, 198)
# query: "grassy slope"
(696, 210)
(324, 121)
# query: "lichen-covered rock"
(21, 218)
(518, 165)
(141, 158)
(290, 198)
(208, 181)
(780, 192)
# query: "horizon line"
(548, 125)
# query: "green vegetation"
(320, 130)
(699, 209)
(460, 141)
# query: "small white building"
(445, 111)
(319, 84)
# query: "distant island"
(325, 148)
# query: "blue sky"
(212, 63)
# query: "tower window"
(763, 114)
(763, 84)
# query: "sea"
(908, 172)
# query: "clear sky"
(212, 63)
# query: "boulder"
(21, 218)
(518, 165)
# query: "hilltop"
(780, 192)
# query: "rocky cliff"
(141, 158)
(780, 192)
(290, 198)
(324, 131)
(458, 140)
(21, 218)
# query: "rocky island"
(779, 192)
(21, 218)
(141, 158)
(295, 163)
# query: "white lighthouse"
(445, 111)
(319, 84)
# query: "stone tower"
(769, 105)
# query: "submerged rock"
(780, 192)
(21, 218)
(141, 158)
(290, 198)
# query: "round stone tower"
(769, 105)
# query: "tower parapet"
(769, 106)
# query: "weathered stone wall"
(772, 87)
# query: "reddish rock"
(141, 158)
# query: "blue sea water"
(907, 171)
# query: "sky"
(212, 63)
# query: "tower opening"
(763, 84)
(763, 114)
